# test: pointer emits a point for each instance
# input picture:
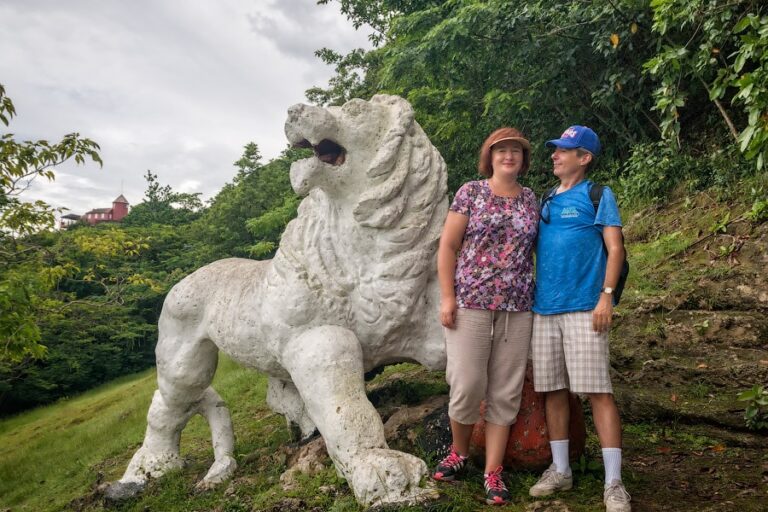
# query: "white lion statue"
(352, 287)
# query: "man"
(580, 253)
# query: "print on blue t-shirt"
(570, 260)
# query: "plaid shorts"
(568, 353)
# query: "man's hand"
(448, 312)
(602, 314)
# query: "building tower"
(119, 208)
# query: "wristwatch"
(607, 290)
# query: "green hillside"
(56, 454)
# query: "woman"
(485, 268)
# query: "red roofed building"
(115, 214)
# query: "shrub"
(652, 171)
(756, 413)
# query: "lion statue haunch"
(352, 287)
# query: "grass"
(659, 239)
(50, 454)
(649, 271)
(54, 454)
(654, 328)
(688, 439)
(467, 494)
(405, 383)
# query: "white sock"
(612, 461)
(560, 456)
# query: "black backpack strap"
(595, 195)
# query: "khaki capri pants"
(487, 355)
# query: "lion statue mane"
(353, 286)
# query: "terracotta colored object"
(528, 445)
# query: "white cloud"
(189, 186)
(178, 87)
(298, 30)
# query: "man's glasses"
(545, 208)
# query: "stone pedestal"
(528, 445)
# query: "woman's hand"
(448, 312)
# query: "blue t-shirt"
(570, 259)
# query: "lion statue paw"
(389, 476)
(221, 471)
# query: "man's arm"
(603, 312)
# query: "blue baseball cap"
(577, 137)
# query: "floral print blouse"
(494, 269)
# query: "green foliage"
(100, 319)
(19, 303)
(685, 73)
(721, 225)
(260, 196)
(702, 327)
(713, 50)
(250, 162)
(24, 280)
(86, 344)
(23, 218)
(23, 162)
(378, 14)
(585, 466)
(469, 67)
(756, 413)
(652, 171)
(349, 81)
(82, 307)
(268, 227)
(759, 211)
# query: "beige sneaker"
(616, 498)
(550, 482)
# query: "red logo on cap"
(570, 133)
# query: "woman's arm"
(450, 243)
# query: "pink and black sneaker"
(450, 467)
(496, 492)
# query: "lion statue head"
(367, 232)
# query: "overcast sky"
(175, 86)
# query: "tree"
(100, 320)
(257, 190)
(638, 72)
(713, 51)
(471, 66)
(161, 205)
(23, 162)
(250, 162)
(24, 280)
(87, 344)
